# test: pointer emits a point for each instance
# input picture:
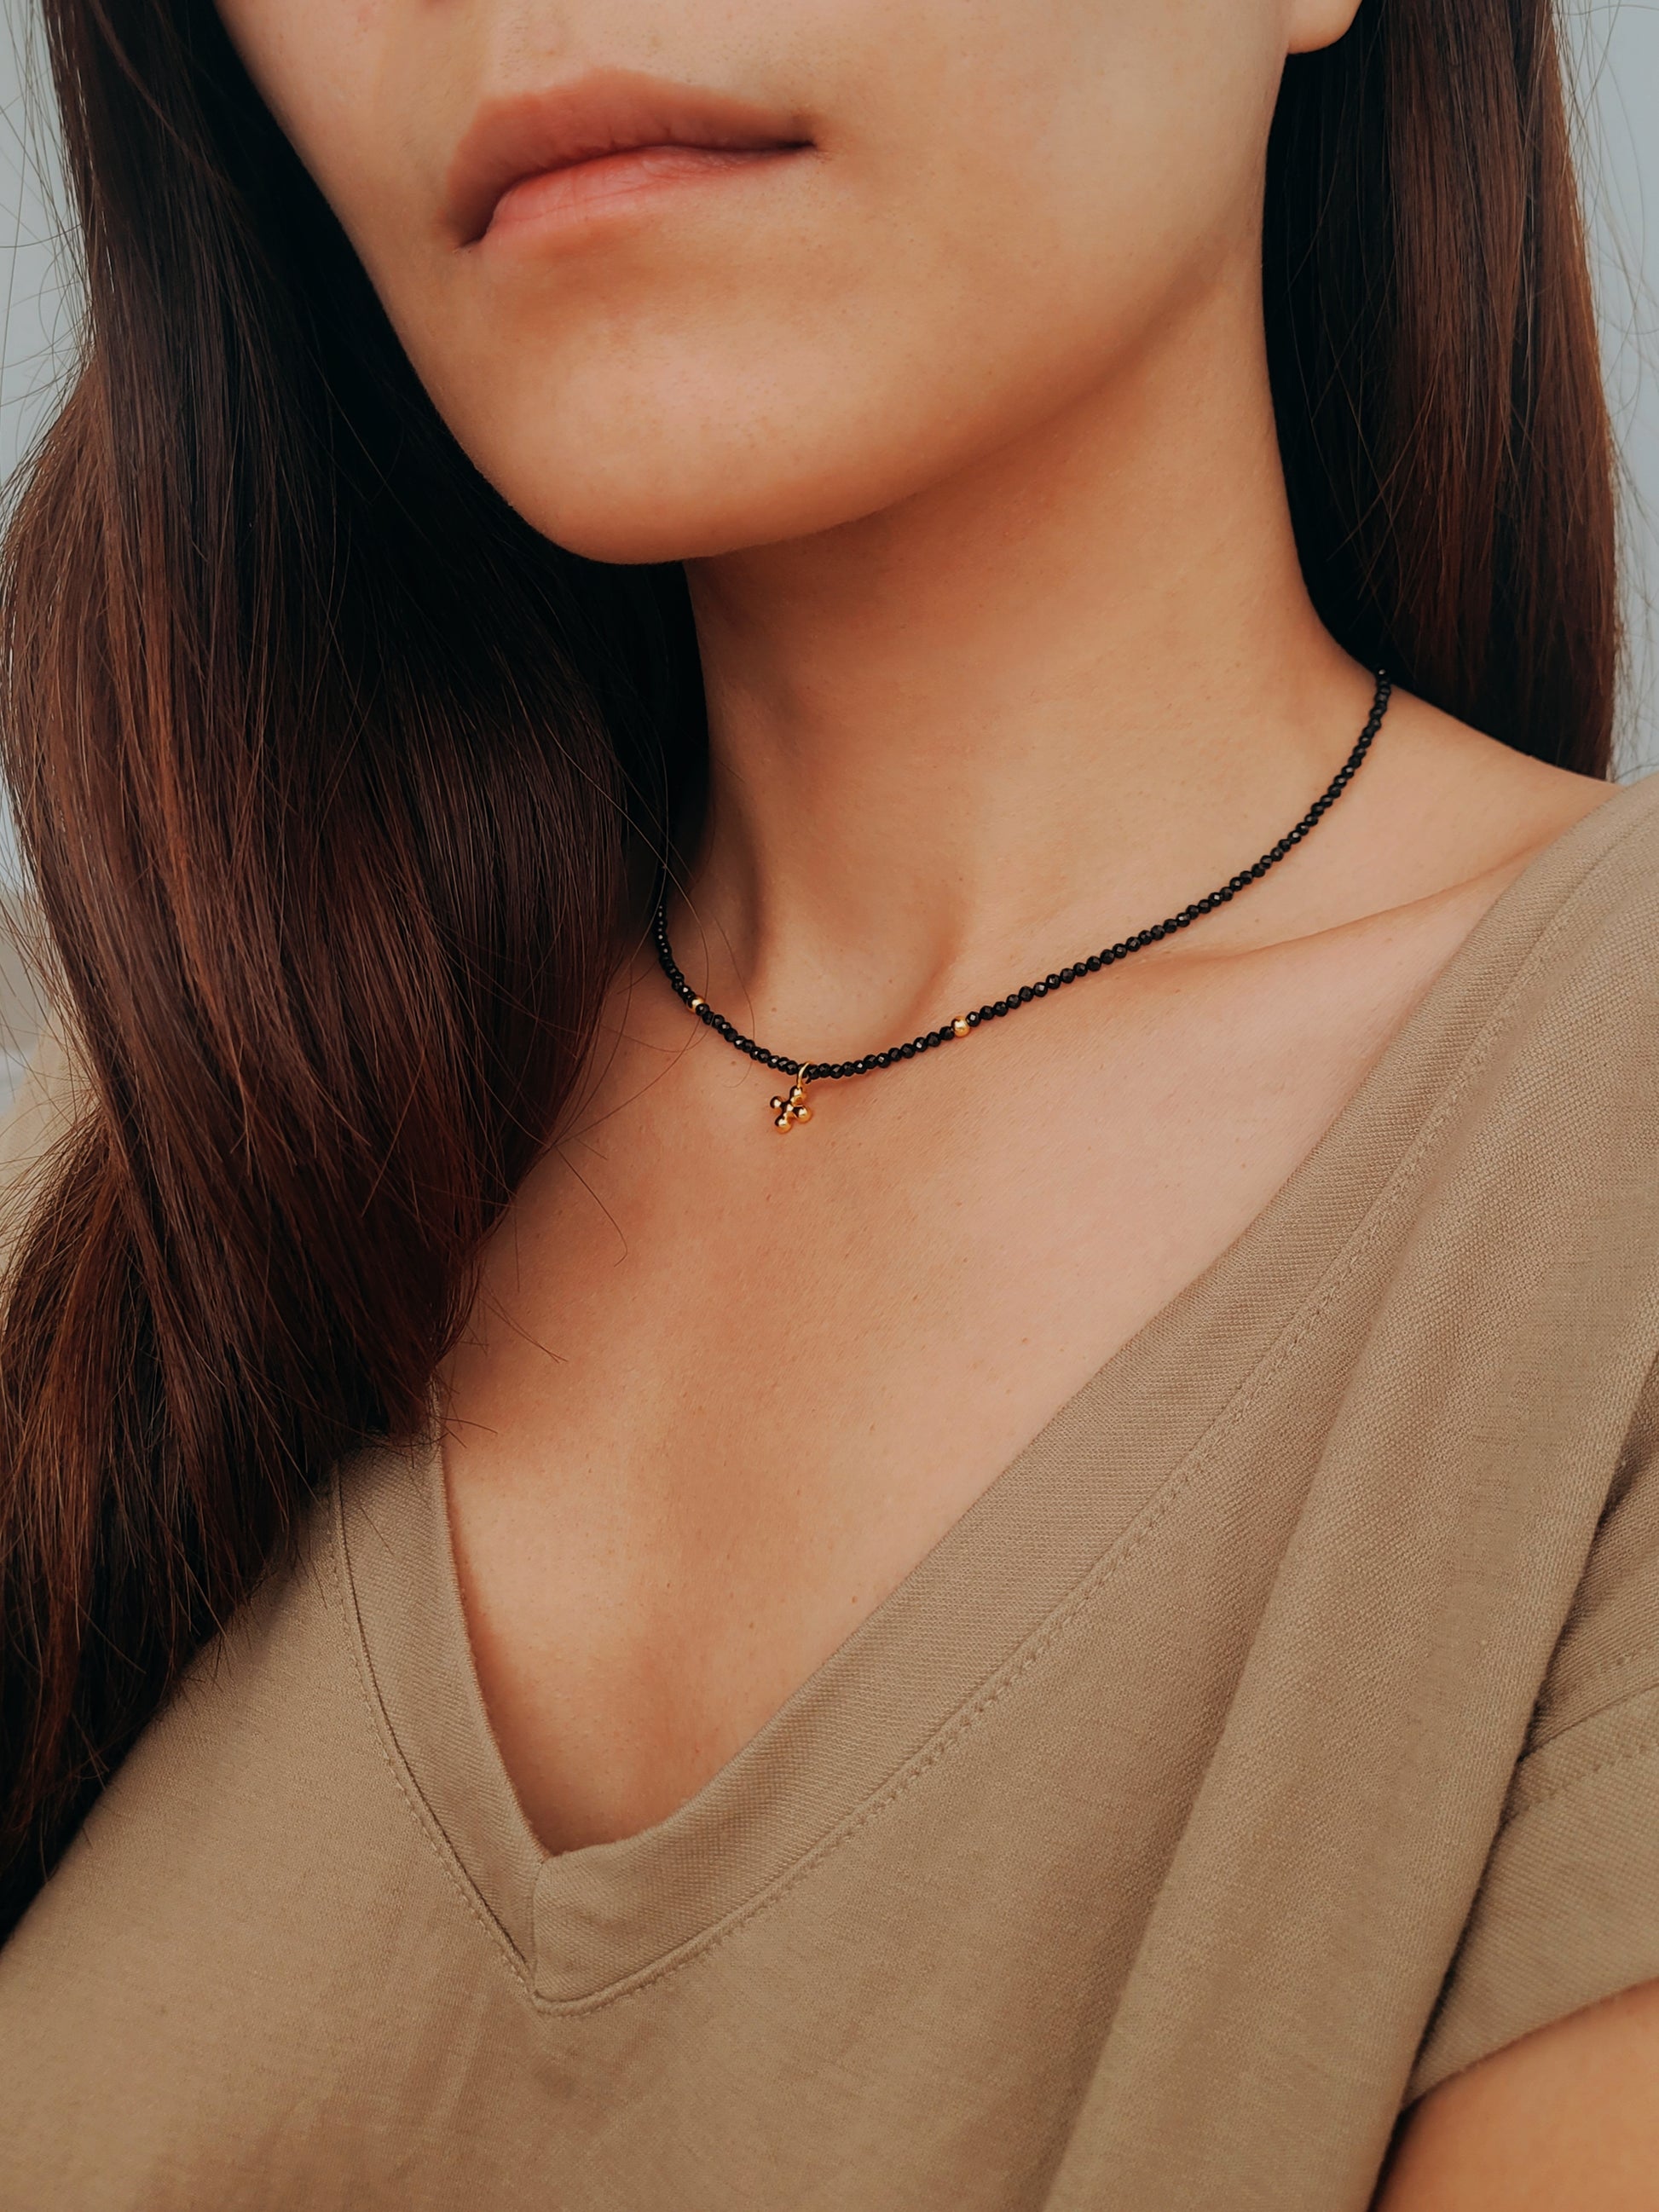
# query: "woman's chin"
(638, 525)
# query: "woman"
(768, 1441)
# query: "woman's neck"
(1047, 697)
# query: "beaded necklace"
(791, 1111)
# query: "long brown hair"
(327, 771)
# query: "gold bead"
(778, 1104)
(960, 1025)
(803, 1113)
(698, 1005)
(782, 1122)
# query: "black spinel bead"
(907, 1052)
(1024, 995)
(1053, 983)
(1038, 991)
(974, 1020)
(1093, 963)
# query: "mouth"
(570, 149)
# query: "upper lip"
(528, 134)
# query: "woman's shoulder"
(1585, 911)
(1520, 1101)
(1549, 1017)
(1572, 945)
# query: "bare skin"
(958, 415)
(1566, 2117)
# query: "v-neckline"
(1080, 1500)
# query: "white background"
(1616, 43)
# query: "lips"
(596, 121)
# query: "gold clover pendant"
(787, 1111)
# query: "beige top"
(1279, 1734)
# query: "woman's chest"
(726, 1386)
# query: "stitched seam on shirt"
(1546, 1740)
(1609, 1666)
(500, 1943)
(956, 1730)
(1640, 1749)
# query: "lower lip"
(567, 199)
